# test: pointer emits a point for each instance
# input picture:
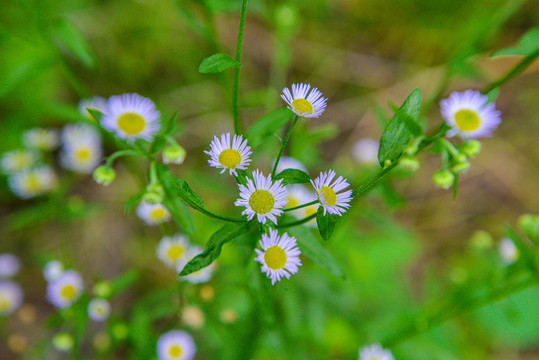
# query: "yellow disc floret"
(5, 304)
(83, 154)
(32, 183)
(329, 195)
(292, 202)
(467, 120)
(229, 158)
(261, 201)
(157, 214)
(275, 258)
(175, 351)
(175, 252)
(131, 123)
(68, 292)
(302, 106)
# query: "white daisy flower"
(153, 214)
(262, 198)
(327, 189)
(176, 345)
(304, 103)
(299, 195)
(9, 265)
(508, 251)
(287, 162)
(131, 117)
(65, 290)
(365, 151)
(94, 103)
(99, 309)
(18, 160)
(173, 251)
(52, 270)
(33, 182)
(375, 352)
(41, 139)
(279, 256)
(10, 297)
(201, 276)
(229, 153)
(469, 114)
(81, 148)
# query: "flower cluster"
(11, 294)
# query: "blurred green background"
(402, 248)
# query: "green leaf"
(493, 95)
(97, 115)
(213, 248)
(293, 176)
(311, 247)
(402, 128)
(266, 126)
(187, 194)
(73, 42)
(527, 45)
(326, 223)
(134, 200)
(217, 63)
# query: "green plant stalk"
(119, 154)
(238, 126)
(212, 215)
(285, 141)
(302, 206)
(297, 223)
(517, 69)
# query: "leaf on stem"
(70, 38)
(293, 176)
(134, 200)
(266, 126)
(97, 115)
(217, 63)
(326, 223)
(527, 45)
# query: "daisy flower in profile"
(9, 265)
(173, 251)
(52, 270)
(365, 151)
(94, 103)
(65, 290)
(18, 160)
(229, 153)
(153, 214)
(375, 352)
(10, 297)
(469, 114)
(131, 117)
(81, 148)
(32, 182)
(262, 198)
(201, 276)
(287, 162)
(176, 345)
(99, 309)
(41, 139)
(279, 256)
(304, 103)
(508, 251)
(328, 190)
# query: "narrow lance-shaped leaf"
(527, 45)
(293, 176)
(72, 41)
(326, 223)
(217, 63)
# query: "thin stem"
(285, 141)
(215, 216)
(518, 68)
(238, 126)
(297, 223)
(118, 154)
(301, 206)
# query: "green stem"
(238, 126)
(285, 141)
(518, 68)
(302, 206)
(118, 154)
(296, 223)
(153, 173)
(215, 216)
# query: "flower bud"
(481, 240)
(408, 162)
(120, 331)
(104, 175)
(103, 289)
(63, 342)
(530, 225)
(471, 148)
(461, 167)
(173, 154)
(154, 194)
(443, 178)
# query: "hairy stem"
(285, 141)
(238, 126)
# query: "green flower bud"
(154, 194)
(481, 240)
(63, 342)
(529, 223)
(174, 154)
(286, 17)
(443, 178)
(120, 331)
(410, 163)
(103, 289)
(460, 158)
(471, 148)
(461, 167)
(387, 163)
(104, 175)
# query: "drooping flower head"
(279, 256)
(153, 214)
(81, 148)
(469, 114)
(262, 198)
(131, 117)
(65, 290)
(10, 297)
(229, 153)
(41, 139)
(508, 251)
(330, 193)
(365, 151)
(176, 345)
(304, 103)
(375, 352)
(18, 160)
(9, 265)
(94, 103)
(173, 251)
(98, 309)
(201, 276)
(32, 182)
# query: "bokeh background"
(402, 248)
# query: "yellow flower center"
(21, 161)
(175, 351)
(229, 158)
(328, 195)
(275, 258)
(467, 120)
(261, 201)
(174, 252)
(5, 304)
(292, 202)
(32, 183)
(310, 211)
(302, 106)
(68, 292)
(131, 123)
(158, 214)
(83, 154)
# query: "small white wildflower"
(81, 148)
(18, 160)
(41, 139)
(65, 290)
(33, 182)
(330, 193)
(10, 297)
(153, 214)
(229, 153)
(99, 309)
(374, 352)
(304, 103)
(176, 345)
(173, 251)
(9, 265)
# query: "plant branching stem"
(118, 154)
(302, 206)
(283, 145)
(517, 69)
(238, 126)
(296, 223)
